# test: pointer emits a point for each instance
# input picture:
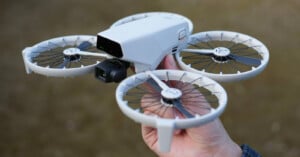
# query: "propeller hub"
(171, 93)
(220, 55)
(71, 54)
(221, 52)
(71, 51)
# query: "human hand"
(205, 141)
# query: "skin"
(209, 140)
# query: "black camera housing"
(111, 70)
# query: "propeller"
(178, 105)
(82, 46)
(63, 64)
(225, 52)
(160, 87)
(245, 60)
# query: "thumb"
(168, 63)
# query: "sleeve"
(249, 152)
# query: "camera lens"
(101, 74)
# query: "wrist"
(226, 149)
(229, 150)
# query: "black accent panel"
(111, 47)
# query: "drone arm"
(85, 53)
(157, 80)
(200, 51)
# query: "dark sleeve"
(249, 152)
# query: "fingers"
(167, 63)
(153, 105)
(193, 100)
(150, 136)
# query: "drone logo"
(142, 41)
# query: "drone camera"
(111, 70)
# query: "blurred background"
(76, 117)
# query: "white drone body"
(145, 42)
(163, 99)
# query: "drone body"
(143, 40)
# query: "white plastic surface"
(146, 41)
(148, 14)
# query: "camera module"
(111, 70)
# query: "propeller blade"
(245, 60)
(62, 65)
(177, 104)
(84, 45)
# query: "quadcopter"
(140, 42)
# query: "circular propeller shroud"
(54, 57)
(166, 126)
(243, 54)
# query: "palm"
(182, 145)
(184, 141)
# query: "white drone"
(142, 41)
